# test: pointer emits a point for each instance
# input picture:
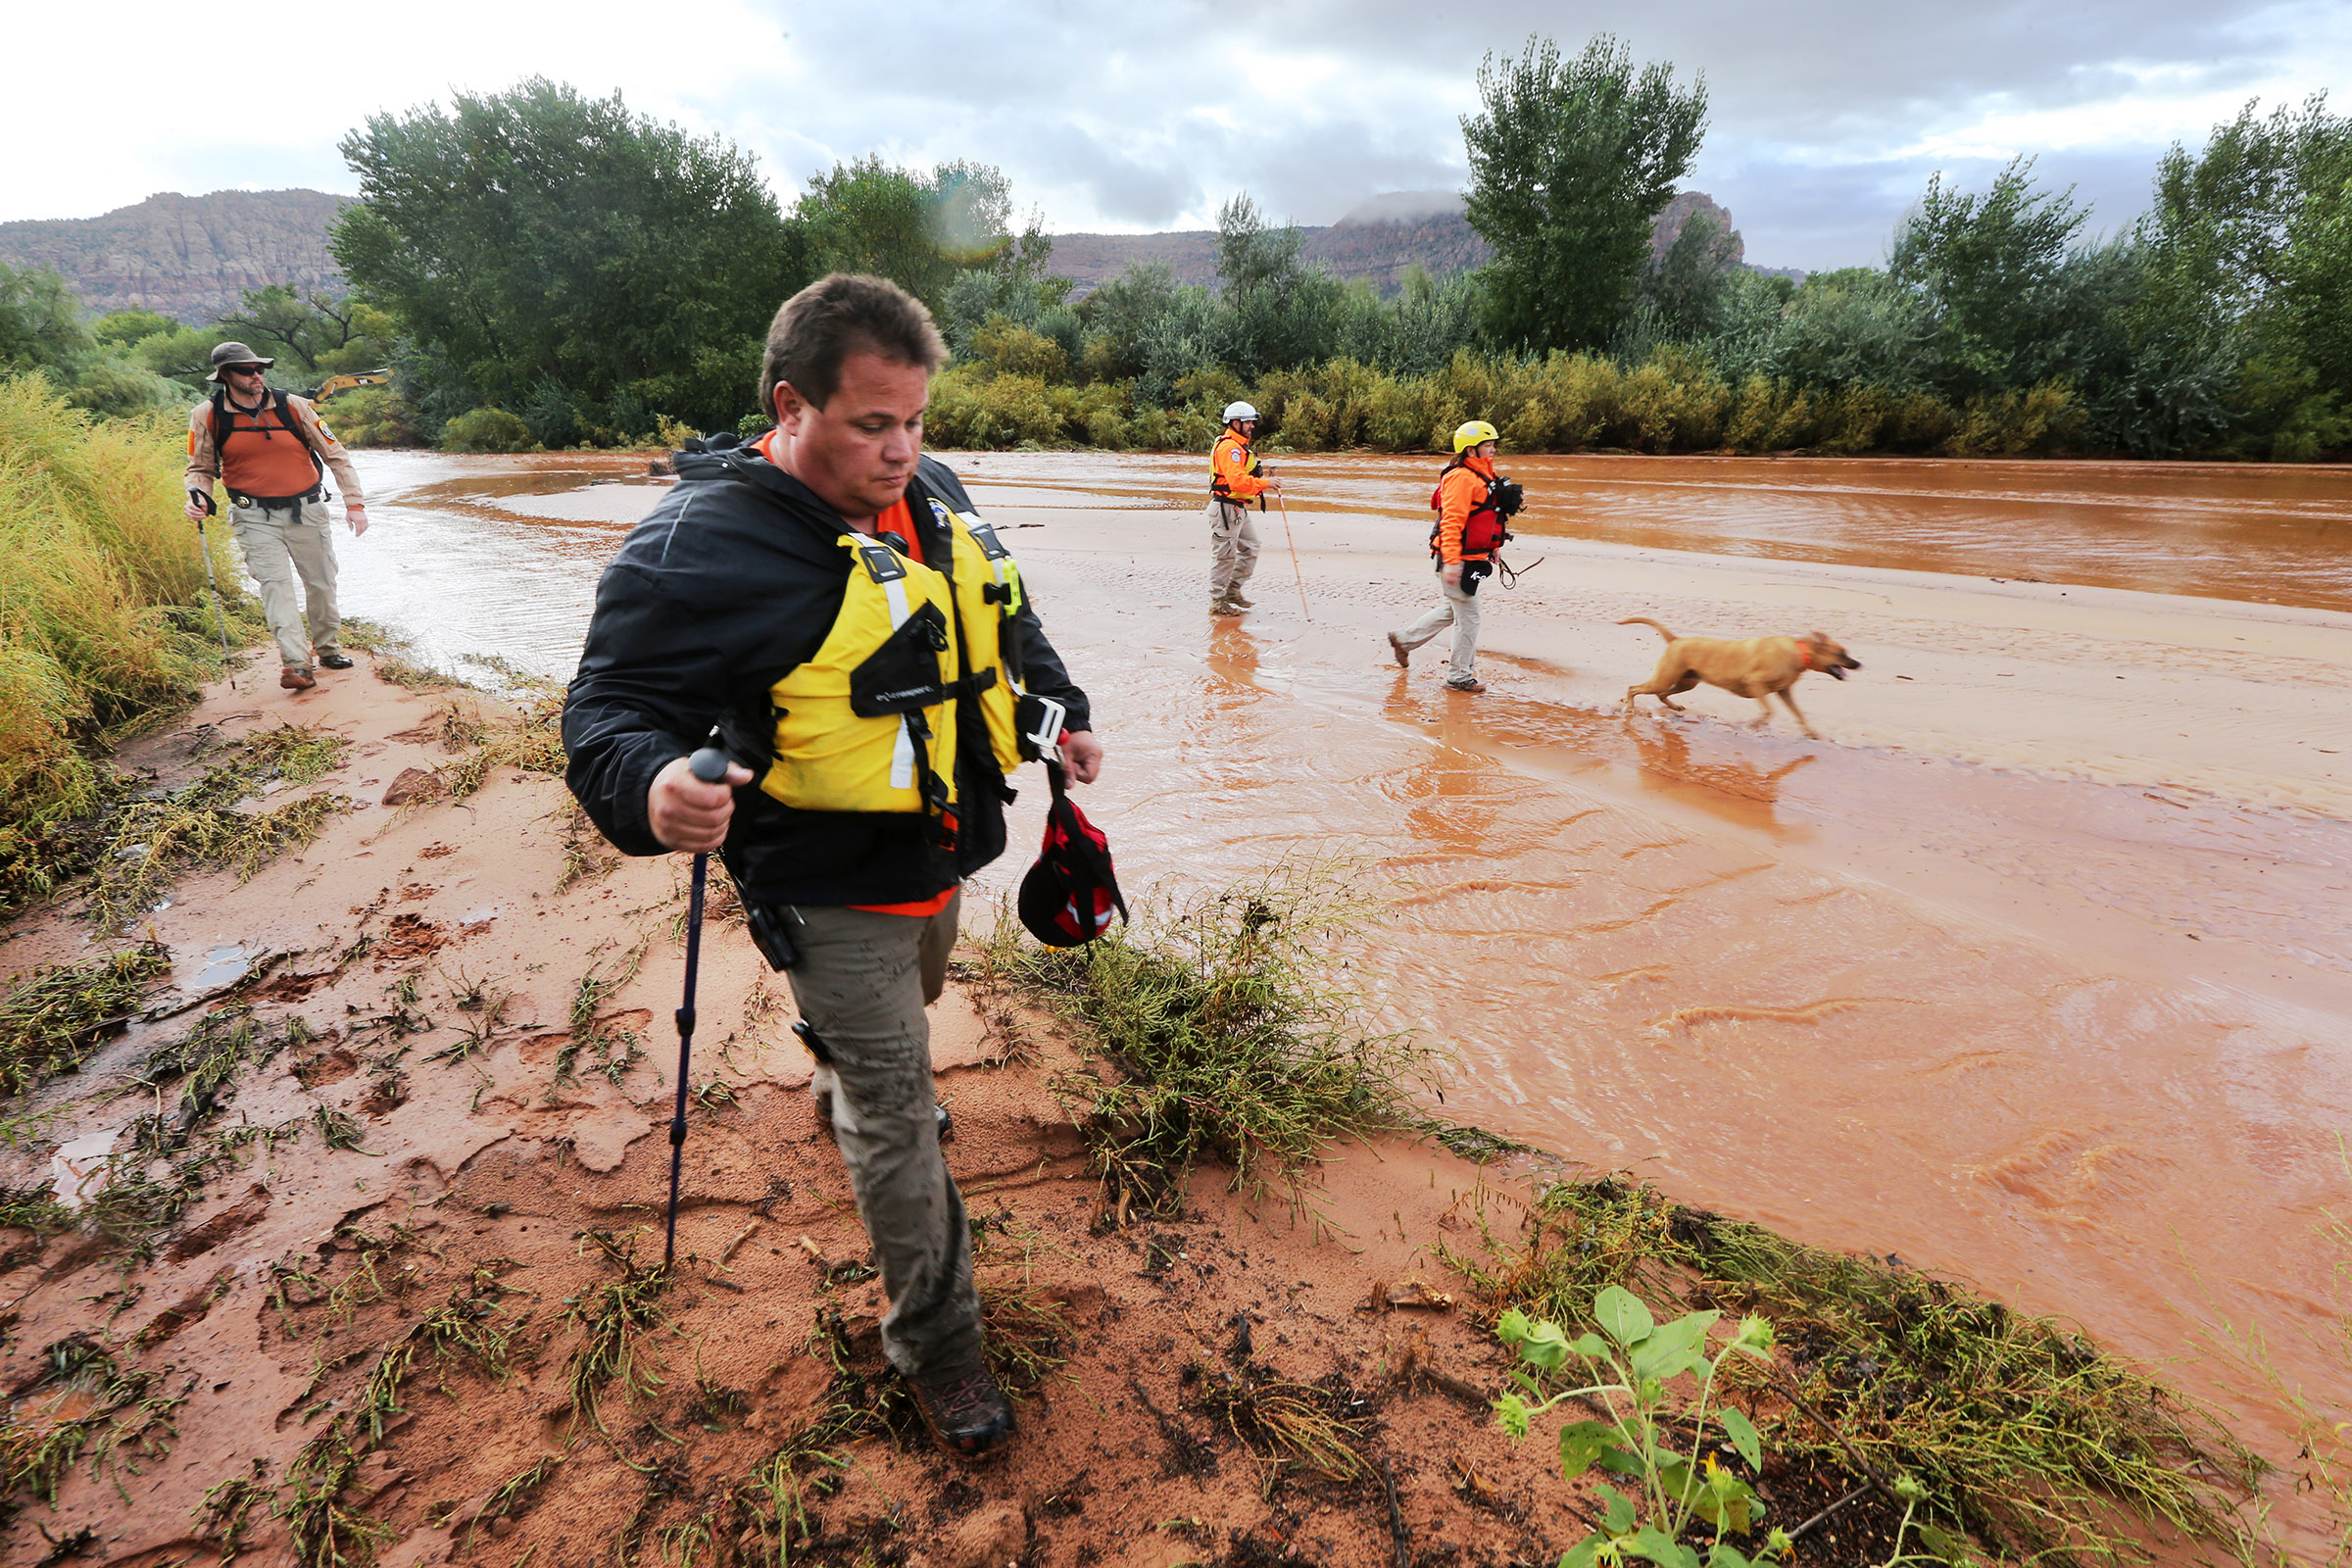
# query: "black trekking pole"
(219, 613)
(710, 765)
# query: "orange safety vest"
(1233, 471)
(263, 454)
(1484, 531)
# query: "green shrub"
(374, 416)
(487, 430)
(103, 613)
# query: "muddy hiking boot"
(1224, 607)
(1404, 655)
(1234, 598)
(296, 681)
(1472, 685)
(824, 1085)
(968, 1415)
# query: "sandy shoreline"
(378, 934)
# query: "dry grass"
(148, 843)
(105, 619)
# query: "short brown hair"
(840, 315)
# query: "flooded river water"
(2033, 971)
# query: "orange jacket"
(1233, 471)
(1461, 489)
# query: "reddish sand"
(493, 1164)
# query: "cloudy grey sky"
(1828, 115)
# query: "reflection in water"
(1665, 749)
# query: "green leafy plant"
(1633, 1360)
(1229, 1035)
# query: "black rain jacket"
(732, 580)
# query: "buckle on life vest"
(985, 536)
(881, 562)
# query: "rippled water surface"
(2033, 970)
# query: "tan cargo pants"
(863, 981)
(281, 544)
(1454, 609)
(1233, 540)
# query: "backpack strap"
(219, 422)
(293, 427)
(224, 420)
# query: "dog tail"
(1645, 620)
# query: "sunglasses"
(246, 369)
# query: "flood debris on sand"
(363, 1280)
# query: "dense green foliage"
(41, 329)
(1569, 162)
(548, 270)
(558, 256)
(2219, 326)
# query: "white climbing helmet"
(1239, 411)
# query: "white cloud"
(1828, 113)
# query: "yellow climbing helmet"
(1471, 434)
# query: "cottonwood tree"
(1570, 162)
(1991, 271)
(538, 244)
(921, 229)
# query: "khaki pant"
(280, 545)
(863, 981)
(1233, 539)
(1454, 609)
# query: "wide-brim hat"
(227, 354)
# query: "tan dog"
(1746, 667)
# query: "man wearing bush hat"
(271, 452)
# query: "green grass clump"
(614, 1319)
(1230, 1039)
(105, 616)
(2025, 1435)
(83, 1401)
(149, 842)
(54, 1018)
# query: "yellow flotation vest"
(868, 723)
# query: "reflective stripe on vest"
(988, 596)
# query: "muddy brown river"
(2033, 971)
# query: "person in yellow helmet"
(1468, 535)
(1235, 480)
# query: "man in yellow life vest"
(831, 603)
(1235, 479)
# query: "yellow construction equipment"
(346, 382)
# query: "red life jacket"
(1484, 531)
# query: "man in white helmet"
(1234, 481)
